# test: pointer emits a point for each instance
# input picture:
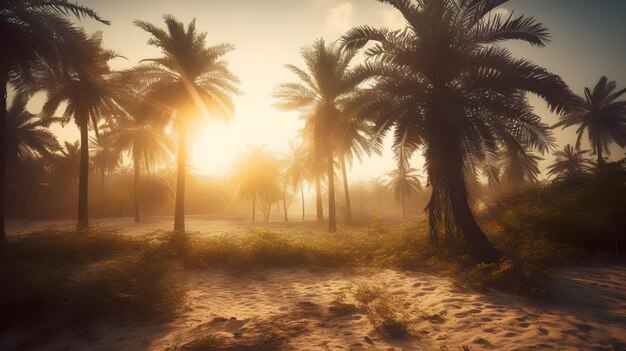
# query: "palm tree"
(27, 135)
(519, 166)
(189, 82)
(147, 145)
(326, 83)
(30, 31)
(87, 88)
(105, 158)
(570, 162)
(296, 171)
(405, 183)
(602, 116)
(446, 85)
(353, 139)
(257, 176)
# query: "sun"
(214, 148)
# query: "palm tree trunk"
(136, 185)
(179, 211)
(253, 208)
(346, 191)
(403, 208)
(332, 215)
(285, 202)
(4, 77)
(302, 195)
(318, 199)
(600, 156)
(83, 180)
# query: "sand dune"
(288, 309)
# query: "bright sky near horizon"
(588, 41)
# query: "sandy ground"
(288, 309)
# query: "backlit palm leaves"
(570, 162)
(188, 83)
(444, 84)
(405, 184)
(602, 116)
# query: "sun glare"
(214, 148)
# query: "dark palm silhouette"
(30, 31)
(147, 145)
(602, 116)
(104, 156)
(519, 166)
(189, 82)
(27, 135)
(87, 88)
(569, 163)
(257, 177)
(445, 84)
(325, 84)
(405, 183)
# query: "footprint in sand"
(510, 334)
(474, 311)
(524, 325)
(430, 288)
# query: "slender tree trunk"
(83, 180)
(253, 208)
(346, 191)
(137, 170)
(318, 199)
(332, 215)
(4, 77)
(302, 195)
(267, 215)
(285, 202)
(600, 156)
(179, 211)
(403, 208)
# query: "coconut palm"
(89, 92)
(519, 166)
(30, 31)
(146, 144)
(405, 183)
(325, 84)
(104, 156)
(570, 162)
(27, 136)
(296, 170)
(602, 116)
(257, 177)
(353, 138)
(448, 87)
(188, 83)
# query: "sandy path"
(291, 306)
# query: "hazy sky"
(588, 41)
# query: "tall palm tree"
(405, 183)
(89, 93)
(296, 171)
(602, 116)
(570, 162)
(257, 176)
(353, 139)
(519, 166)
(30, 31)
(189, 82)
(446, 85)
(147, 144)
(325, 84)
(104, 156)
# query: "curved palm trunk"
(449, 202)
(83, 180)
(332, 215)
(136, 185)
(4, 77)
(302, 196)
(318, 199)
(179, 211)
(345, 188)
